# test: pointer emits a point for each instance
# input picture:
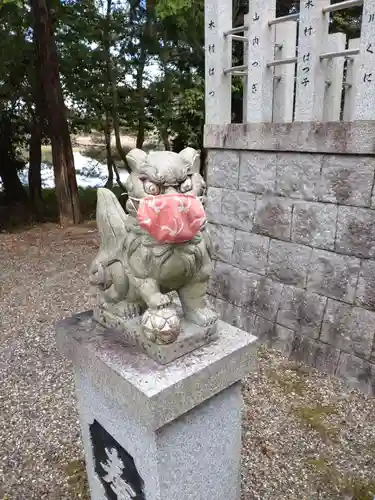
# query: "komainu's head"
(162, 172)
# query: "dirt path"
(43, 278)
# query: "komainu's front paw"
(158, 301)
(202, 316)
(161, 326)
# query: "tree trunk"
(112, 103)
(117, 174)
(13, 188)
(109, 183)
(166, 117)
(35, 165)
(178, 144)
(165, 138)
(141, 100)
(116, 123)
(140, 133)
(107, 138)
(62, 153)
(37, 126)
(145, 42)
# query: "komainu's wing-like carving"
(110, 218)
(107, 271)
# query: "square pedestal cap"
(155, 394)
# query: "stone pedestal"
(158, 432)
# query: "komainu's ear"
(136, 158)
(192, 158)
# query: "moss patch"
(338, 484)
(289, 382)
(77, 479)
(314, 417)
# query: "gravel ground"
(305, 435)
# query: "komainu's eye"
(151, 188)
(187, 185)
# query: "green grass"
(87, 200)
(99, 154)
(21, 217)
(46, 154)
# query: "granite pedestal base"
(159, 432)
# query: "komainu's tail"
(107, 271)
(110, 218)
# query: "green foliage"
(18, 3)
(347, 21)
(167, 8)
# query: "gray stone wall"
(294, 240)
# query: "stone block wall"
(294, 242)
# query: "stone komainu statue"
(161, 244)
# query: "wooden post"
(245, 58)
(334, 75)
(310, 83)
(365, 77)
(350, 91)
(260, 52)
(218, 95)
(286, 38)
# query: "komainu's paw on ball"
(161, 326)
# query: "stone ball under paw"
(161, 326)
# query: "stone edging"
(309, 137)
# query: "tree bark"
(116, 123)
(140, 133)
(37, 127)
(107, 138)
(141, 99)
(118, 176)
(62, 153)
(112, 103)
(35, 165)
(13, 188)
(165, 138)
